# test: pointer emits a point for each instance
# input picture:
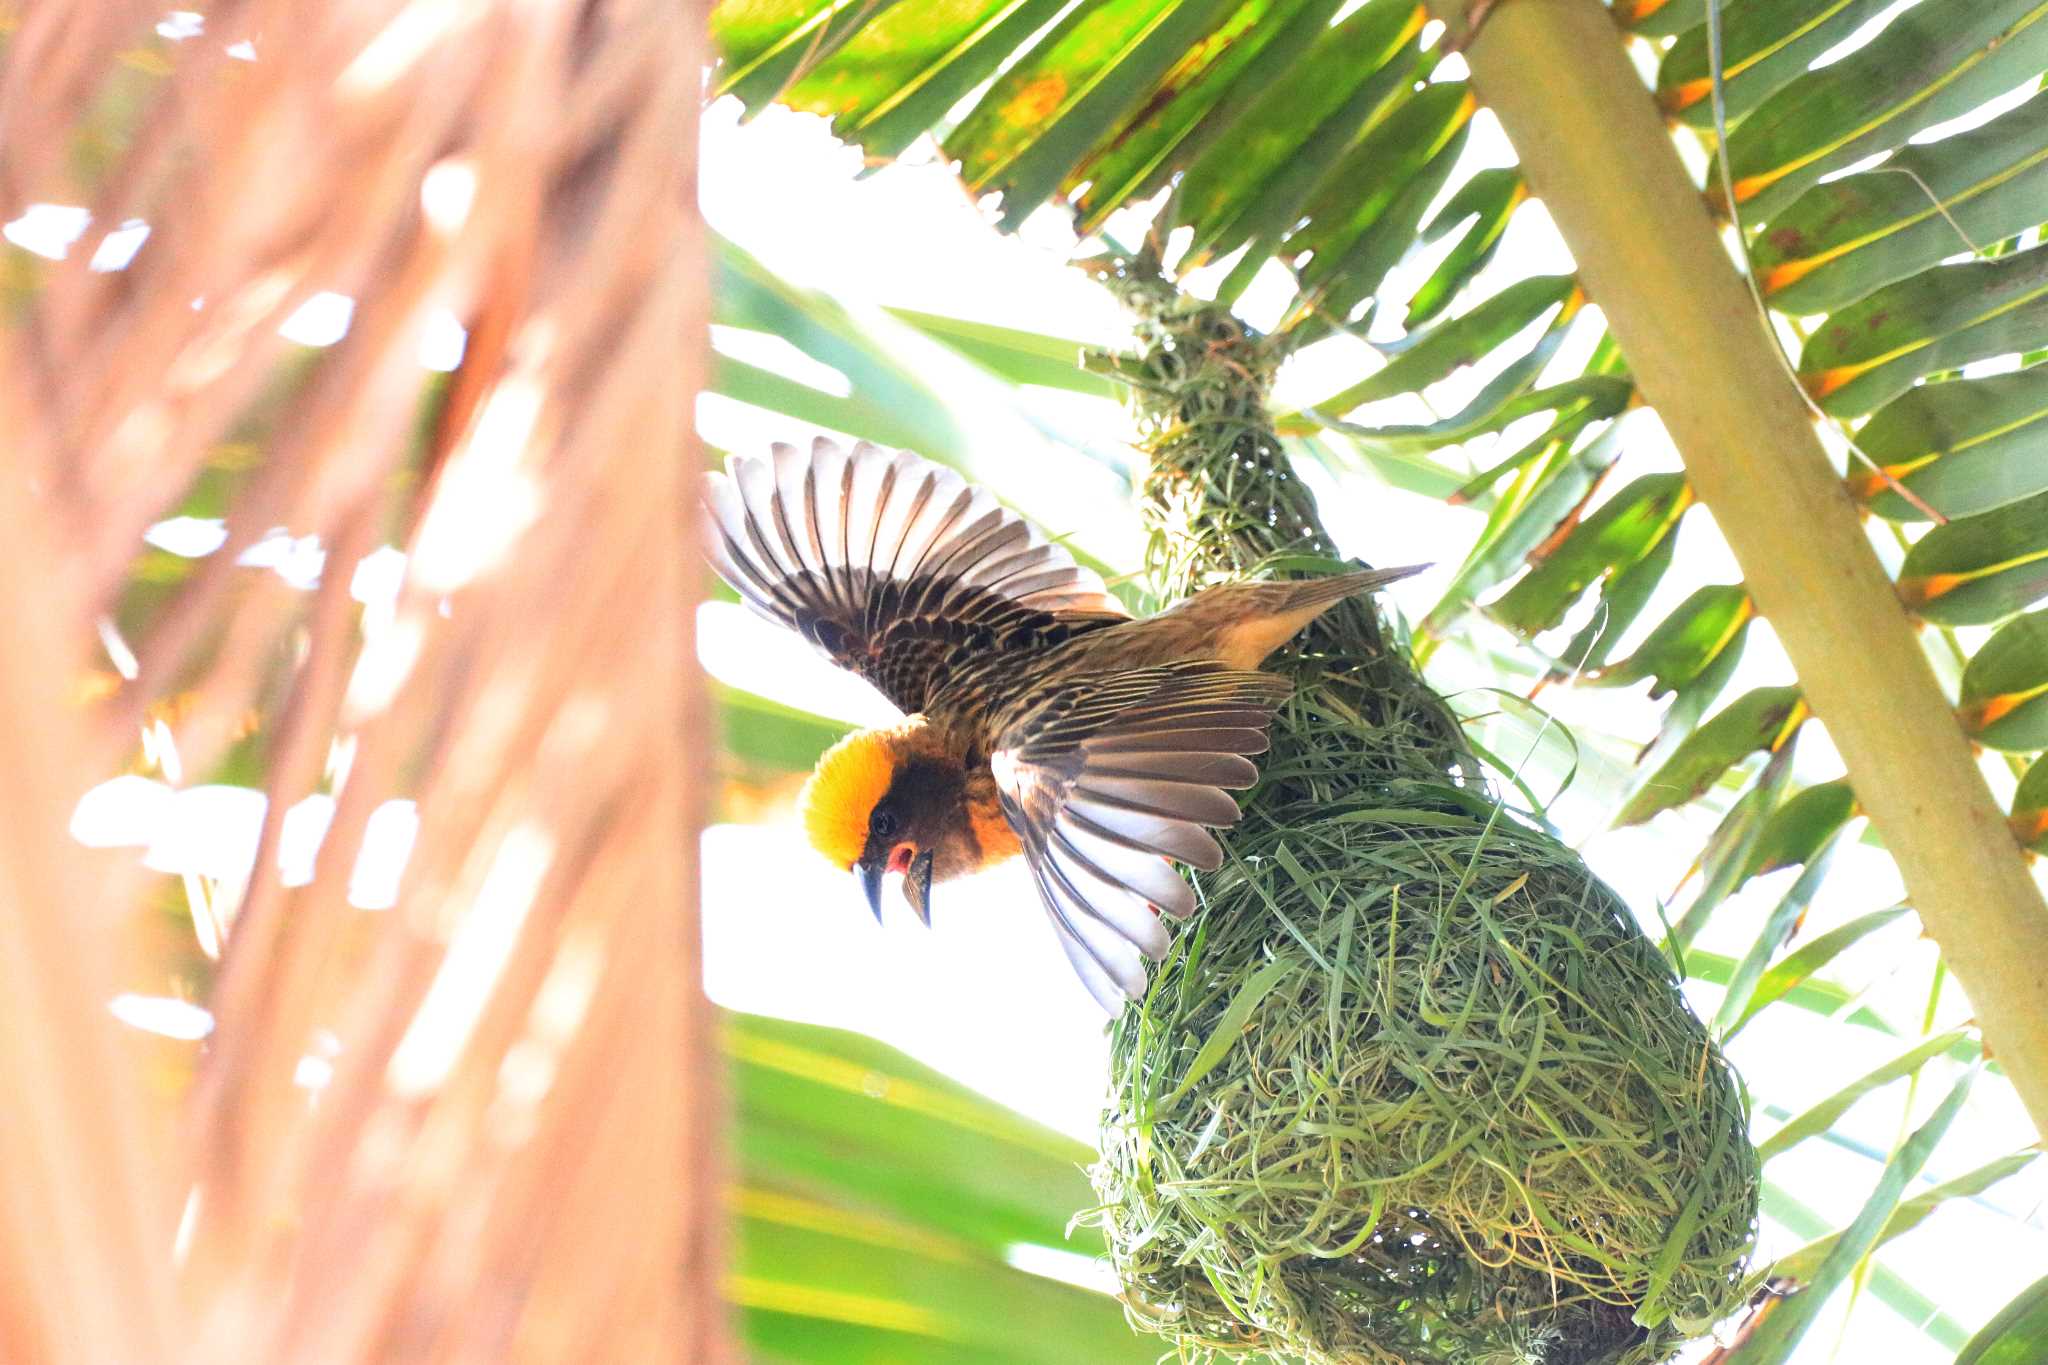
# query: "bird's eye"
(882, 825)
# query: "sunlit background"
(986, 996)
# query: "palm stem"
(1594, 148)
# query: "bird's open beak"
(917, 887)
(917, 880)
(870, 874)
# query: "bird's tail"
(1242, 623)
(1321, 592)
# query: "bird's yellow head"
(849, 782)
(883, 801)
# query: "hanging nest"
(1411, 1087)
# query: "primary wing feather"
(894, 566)
(1106, 778)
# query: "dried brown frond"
(513, 1157)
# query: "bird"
(1040, 719)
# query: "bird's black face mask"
(888, 850)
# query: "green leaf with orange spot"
(1840, 241)
(1571, 419)
(1765, 45)
(1276, 209)
(1069, 93)
(1517, 525)
(1762, 720)
(2004, 700)
(1623, 596)
(920, 103)
(1963, 446)
(1227, 179)
(883, 74)
(2030, 808)
(1024, 100)
(1686, 641)
(1980, 569)
(1658, 18)
(1932, 63)
(1622, 531)
(950, 58)
(1940, 319)
(1204, 95)
(1803, 826)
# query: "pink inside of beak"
(900, 856)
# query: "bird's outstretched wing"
(894, 566)
(1107, 777)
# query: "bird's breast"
(991, 828)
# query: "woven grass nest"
(1411, 1088)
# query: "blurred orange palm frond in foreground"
(512, 1157)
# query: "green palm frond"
(878, 1206)
(1890, 203)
